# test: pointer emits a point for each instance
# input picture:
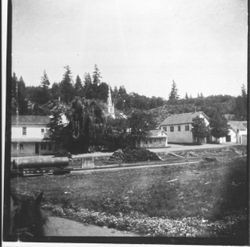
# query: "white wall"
(181, 136)
(28, 149)
(241, 137)
(31, 132)
(154, 143)
(233, 136)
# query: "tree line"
(83, 103)
(33, 99)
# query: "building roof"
(30, 120)
(238, 125)
(183, 118)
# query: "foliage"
(96, 76)
(241, 105)
(173, 96)
(78, 86)
(66, 87)
(59, 133)
(139, 123)
(18, 94)
(218, 124)
(199, 129)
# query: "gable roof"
(238, 125)
(30, 120)
(183, 118)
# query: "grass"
(209, 190)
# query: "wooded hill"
(224, 104)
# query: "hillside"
(224, 104)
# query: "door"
(36, 148)
(228, 138)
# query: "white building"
(155, 139)
(237, 132)
(179, 126)
(28, 135)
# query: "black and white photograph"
(126, 122)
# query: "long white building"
(179, 126)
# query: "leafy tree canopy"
(199, 129)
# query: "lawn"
(205, 199)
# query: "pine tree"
(87, 88)
(78, 86)
(173, 96)
(44, 93)
(45, 80)
(67, 89)
(96, 76)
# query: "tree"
(219, 126)
(102, 91)
(45, 80)
(139, 123)
(78, 86)
(55, 91)
(96, 76)
(59, 132)
(186, 96)
(199, 129)
(241, 105)
(19, 99)
(44, 93)
(67, 89)
(173, 96)
(87, 88)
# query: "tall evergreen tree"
(45, 80)
(55, 91)
(173, 96)
(96, 76)
(241, 105)
(19, 99)
(44, 92)
(87, 88)
(78, 86)
(67, 89)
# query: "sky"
(141, 44)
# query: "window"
(171, 128)
(24, 131)
(21, 146)
(50, 147)
(179, 128)
(187, 127)
(42, 131)
(43, 146)
(165, 128)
